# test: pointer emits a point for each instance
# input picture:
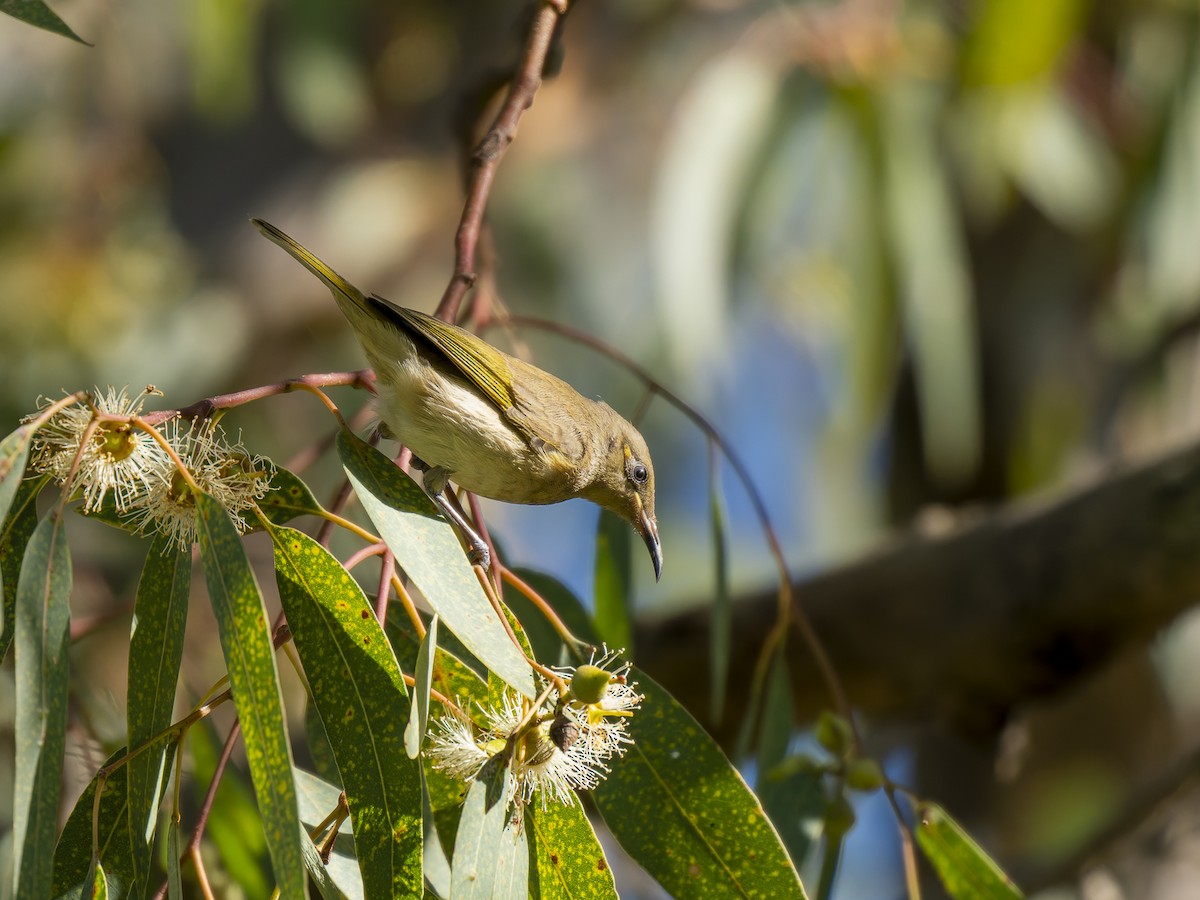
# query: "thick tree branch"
(969, 625)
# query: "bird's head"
(624, 484)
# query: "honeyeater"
(494, 424)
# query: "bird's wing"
(485, 367)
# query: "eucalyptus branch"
(491, 149)
(202, 409)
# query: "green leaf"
(570, 862)
(73, 854)
(42, 634)
(965, 869)
(681, 809)
(776, 729)
(721, 616)
(14, 451)
(512, 861)
(793, 795)
(99, 884)
(546, 643)
(426, 548)
(340, 877)
(456, 680)
(614, 578)
(155, 654)
(174, 875)
(288, 498)
(933, 281)
(322, 875)
(481, 828)
(414, 732)
(35, 12)
(250, 658)
(14, 538)
(359, 692)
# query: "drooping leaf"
(455, 680)
(425, 547)
(934, 284)
(794, 797)
(14, 537)
(569, 861)
(250, 657)
(512, 861)
(776, 730)
(288, 498)
(965, 869)
(359, 692)
(681, 809)
(155, 654)
(414, 732)
(721, 615)
(35, 12)
(318, 798)
(477, 847)
(174, 874)
(613, 582)
(323, 876)
(42, 633)
(14, 451)
(73, 854)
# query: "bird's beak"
(649, 529)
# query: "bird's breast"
(448, 424)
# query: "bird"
(493, 424)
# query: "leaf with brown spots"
(359, 692)
(681, 809)
(570, 862)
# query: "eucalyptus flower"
(224, 471)
(563, 746)
(118, 458)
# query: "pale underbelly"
(450, 426)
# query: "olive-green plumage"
(493, 423)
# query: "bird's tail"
(350, 298)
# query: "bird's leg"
(436, 482)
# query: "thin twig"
(491, 149)
(789, 609)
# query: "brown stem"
(491, 149)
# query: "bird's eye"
(639, 474)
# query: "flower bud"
(589, 683)
(864, 775)
(834, 734)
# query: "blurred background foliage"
(906, 256)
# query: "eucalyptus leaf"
(613, 581)
(569, 861)
(426, 548)
(42, 634)
(681, 809)
(359, 692)
(418, 720)
(155, 655)
(14, 538)
(73, 853)
(481, 828)
(965, 869)
(721, 615)
(14, 451)
(287, 498)
(35, 12)
(250, 657)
